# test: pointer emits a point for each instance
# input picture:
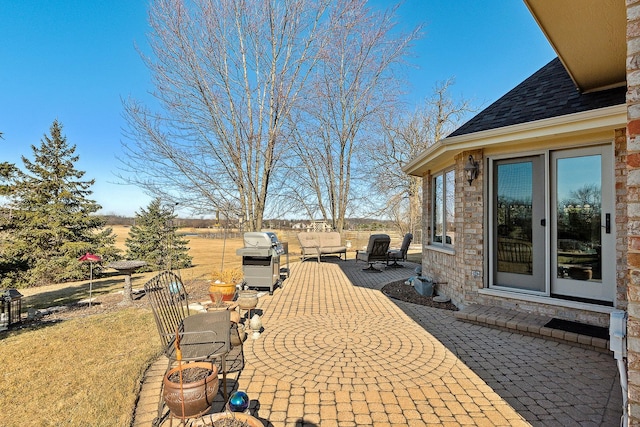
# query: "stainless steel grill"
(261, 259)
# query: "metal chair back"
(169, 303)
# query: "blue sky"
(75, 60)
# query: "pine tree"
(153, 239)
(53, 221)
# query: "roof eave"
(577, 123)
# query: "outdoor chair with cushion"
(376, 251)
(203, 336)
(399, 254)
(318, 243)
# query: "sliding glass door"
(552, 228)
(518, 243)
(583, 236)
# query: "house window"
(442, 227)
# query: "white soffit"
(589, 37)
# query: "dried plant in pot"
(231, 419)
(224, 282)
(194, 395)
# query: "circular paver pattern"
(340, 352)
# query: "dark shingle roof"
(549, 92)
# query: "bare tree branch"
(403, 138)
(228, 74)
(354, 82)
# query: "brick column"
(470, 225)
(633, 207)
(426, 211)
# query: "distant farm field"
(205, 246)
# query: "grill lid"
(262, 240)
(259, 239)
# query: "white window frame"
(443, 243)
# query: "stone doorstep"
(527, 324)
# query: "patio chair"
(203, 336)
(376, 251)
(399, 254)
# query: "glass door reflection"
(518, 234)
(578, 218)
(583, 248)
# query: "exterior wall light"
(471, 169)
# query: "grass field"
(81, 372)
(207, 254)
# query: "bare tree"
(227, 75)
(353, 82)
(403, 138)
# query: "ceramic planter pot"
(247, 300)
(226, 290)
(197, 395)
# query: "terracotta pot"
(234, 316)
(198, 395)
(247, 300)
(251, 421)
(227, 290)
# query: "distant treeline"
(351, 224)
(180, 222)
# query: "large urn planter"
(197, 394)
(237, 334)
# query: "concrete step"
(527, 324)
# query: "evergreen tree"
(153, 239)
(52, 221)
(7, 170)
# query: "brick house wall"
(633, 209)
(620, 176)
(453, 271)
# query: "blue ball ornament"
(238, 401)
(175, 287)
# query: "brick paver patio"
(335, 351)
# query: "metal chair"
(203, 336)
(376, 251)
(399, 254)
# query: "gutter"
(570, 124)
